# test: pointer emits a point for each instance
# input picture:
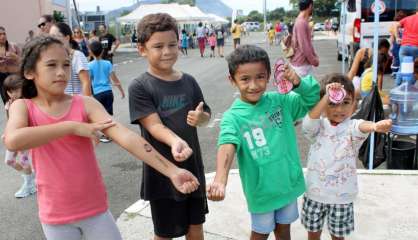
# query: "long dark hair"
(66, 31)
(7, 42)
(30, 56)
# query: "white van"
(359, 26)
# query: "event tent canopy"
(182, 13)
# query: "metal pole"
(377, 9)
(343, 20)
(76, 14)
(265, 19)
(69, 15)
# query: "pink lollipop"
(336, 95)
(283, 86)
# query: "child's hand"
(91, 130)
(122, 95)
(181, 150)
(197, 116)
(216, 191)
(332, 86)
(383, 126)
(184, 181)
(290, 75)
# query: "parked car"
(251, 26)
(319, 27)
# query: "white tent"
(182, 13)
(217, 19)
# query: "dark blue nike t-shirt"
(171, 100)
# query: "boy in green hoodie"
(259, 128)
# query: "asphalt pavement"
(121, 172)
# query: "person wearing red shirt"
(409, 42)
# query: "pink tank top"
(70, 186)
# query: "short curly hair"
(152, 23)
(247, 54)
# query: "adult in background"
(304, 58)
(220, 39)
(201, 38)
(409, 41)
(236, 33)
(109, 43)
(9, 60)
(361, 59)
(30, 36)
(82, 42)
(395, 45)
(278, 32)
(93, 36)
(80, 78)
(45, 23)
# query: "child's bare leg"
(282, 232)
(336, 238)
(314, 235)
(258, 236)
(195, 232)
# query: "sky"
(245, 5)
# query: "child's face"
(337, 113)
(251, 80)
(161, 50)
(52, 70)
(15, 94)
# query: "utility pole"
(76, 14)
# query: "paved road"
(122, 172)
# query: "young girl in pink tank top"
(59, 129)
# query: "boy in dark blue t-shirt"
(169, 105)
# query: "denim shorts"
(265, 223)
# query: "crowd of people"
(59, 104)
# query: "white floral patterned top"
(331, 175)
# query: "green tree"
(276, 14)
(58, 16)
(322, 8)
(255, 16)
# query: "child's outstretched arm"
(19, 136)
(182, 179)
(224, 159)
(304, 96)
(117, 83)
(382, 126)
(179, 148)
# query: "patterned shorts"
(340, 217)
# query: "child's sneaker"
(105, 139)
(28, 187)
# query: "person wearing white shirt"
(331, 180)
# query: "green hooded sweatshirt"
(265, 140)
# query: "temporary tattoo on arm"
(161, 161)
(147, 147)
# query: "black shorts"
(212, 48)
(220, 42)
(237, 41)
(172, 218)
(106, 99)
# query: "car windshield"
(392, 7)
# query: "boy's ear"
(231, 79)
(141, 49)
